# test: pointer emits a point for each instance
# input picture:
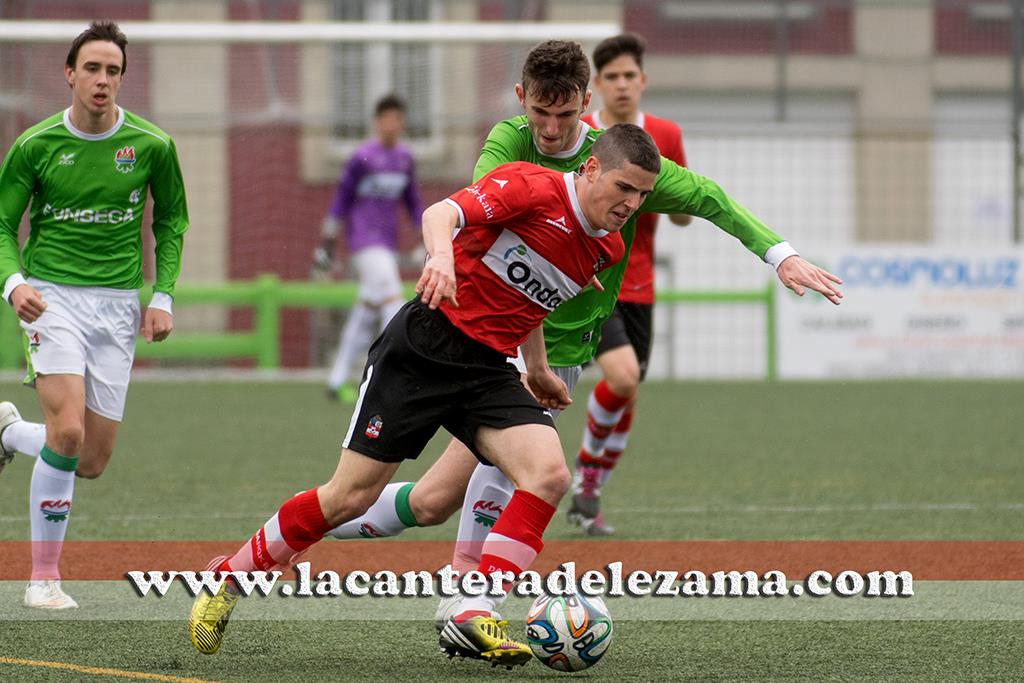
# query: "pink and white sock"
(605, 411)
(614, 447)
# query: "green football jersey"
(88, 194)
(572, 331)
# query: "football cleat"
(209, 617)
(585, 512)
(47, 594)
(346, 393)
(483, 637)
(448, 607)
(8, 415)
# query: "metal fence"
(836, 121)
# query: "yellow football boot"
(483, 637)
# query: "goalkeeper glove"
(323, 255)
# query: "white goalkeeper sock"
(388, 309)
(357, 334)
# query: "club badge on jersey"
(124, 159)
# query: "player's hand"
(437, 283)
(799, 275)
(549, 389)
(596, 284)
(27, 302)
(321, 260)
(157, 325)
(323, 256)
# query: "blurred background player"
(86, 170)
(625, 345)
(375, 180)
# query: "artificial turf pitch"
(893, 461)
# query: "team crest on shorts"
(55, 510)
(124, 159)
(374, 426)
(33, 342)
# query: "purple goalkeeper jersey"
(371, 186)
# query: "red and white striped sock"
(614, 447)
(297, 525)
(604, 412)
(512, 546)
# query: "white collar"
(570, 186)
(93, 136)
(572, 151)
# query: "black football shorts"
(423, 373)
(630, 324)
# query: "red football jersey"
(522, 248)
(638, 282)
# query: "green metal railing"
(267, 295)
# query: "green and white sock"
(53, 483)
(389, 516)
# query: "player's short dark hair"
(556, 71)
(624, 143)
(101, 29)
(616, 46)
(388, 103)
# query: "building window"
(364, 72)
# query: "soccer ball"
(570, 632)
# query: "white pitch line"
(693, 510)
(804, 509)
(153, 518)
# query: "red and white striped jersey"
(522, 248)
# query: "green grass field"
(729, 461)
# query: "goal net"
(265, 113)
(266, 99)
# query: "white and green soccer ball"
(569, 632)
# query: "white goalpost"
(277, 32)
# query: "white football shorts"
(379, 280)
(87, 331)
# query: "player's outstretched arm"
(798, 274)
(679, 190)
(437, 283)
